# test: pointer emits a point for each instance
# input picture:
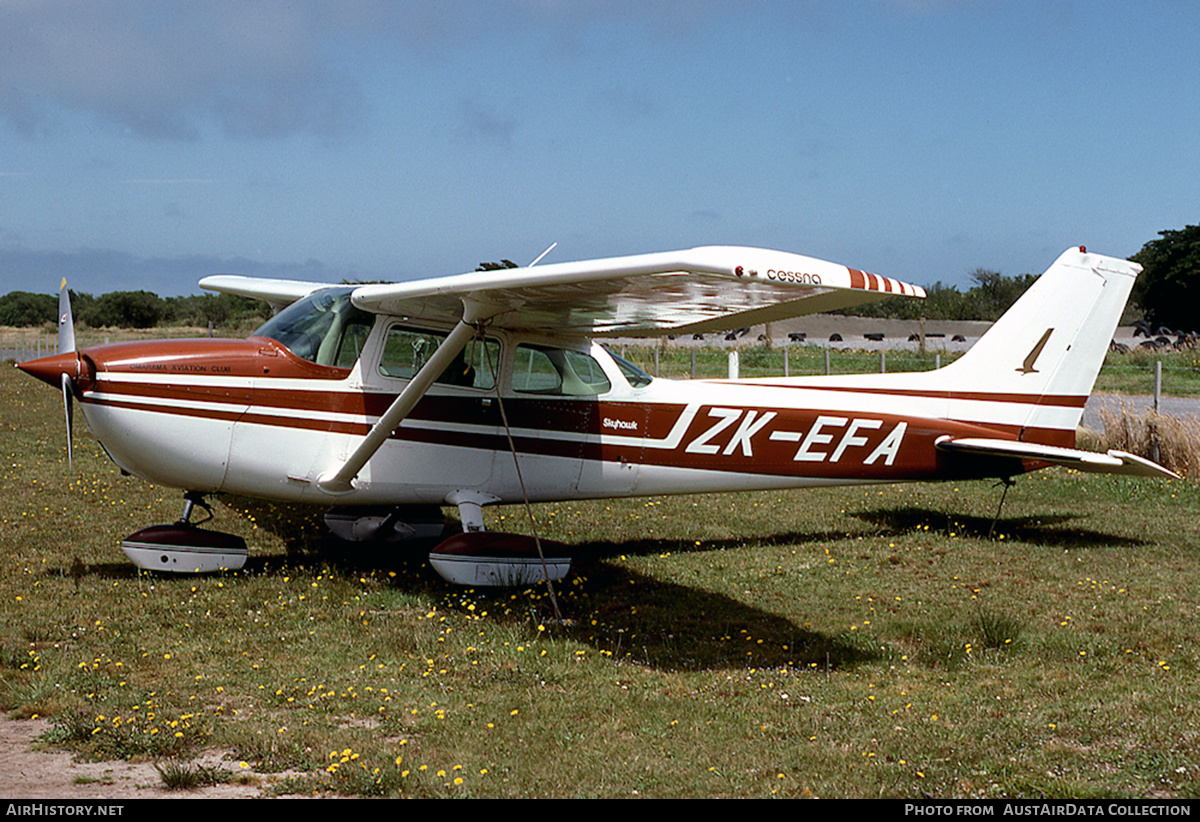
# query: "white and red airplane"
(383, 401)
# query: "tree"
(21, 308)
(219, 309)
(1168, 290)
(500, 266)
(994, 293)
(123, 309)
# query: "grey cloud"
(169, 70)
(165, 70)
(98, 271)
(485, 122)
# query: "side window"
(543, 370)
(351, 343)
(636, 376)
(533, 373)
(406, 350)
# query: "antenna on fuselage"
(543, 254)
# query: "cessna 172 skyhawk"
(489, 387)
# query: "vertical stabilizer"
(1048, 348)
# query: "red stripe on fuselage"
(628, 432)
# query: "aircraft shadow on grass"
(619, 611)
(642, 618)
(635, 616)
(1048, 530)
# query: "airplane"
(387, 401)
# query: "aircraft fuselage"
(250, 417)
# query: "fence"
(1178, 373)
(22, 344)
(30, 343)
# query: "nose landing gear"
(183, 547)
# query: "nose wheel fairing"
(183, 547)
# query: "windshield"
(324, 328)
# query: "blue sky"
(144, 144)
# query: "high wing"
(712, 288)
(279, 293)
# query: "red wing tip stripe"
(865, 281)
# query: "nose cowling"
(50, 369)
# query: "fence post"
(785, 360)
(1157, 384)
(693, 363)
(733, 365)
(882, 361)
(826, 362)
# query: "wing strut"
(341, 481)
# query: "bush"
(1173, 442)
(22, 308)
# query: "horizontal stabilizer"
(1113, 462)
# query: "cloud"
(165, 71)
(174, 71)
(483, 121)
(98, 271)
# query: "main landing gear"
(184, 548)
(493, 559)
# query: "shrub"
(1173, 442)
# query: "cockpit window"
(637, 377)
(324, 328)
(540, 369)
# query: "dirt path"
(29, 774)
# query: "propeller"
(71, 371)
(66, 324)
(66, 343)
(68, 392)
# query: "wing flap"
(1112, 462)
(710, 288)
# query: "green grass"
(854, 642)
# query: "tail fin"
(1046, 351)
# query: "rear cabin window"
(636, 376)
(557, 371)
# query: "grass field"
(863, 642)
